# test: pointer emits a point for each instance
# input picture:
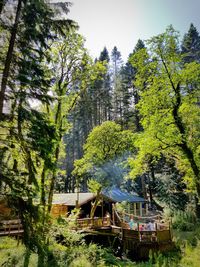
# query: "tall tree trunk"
(150, 189)
(144, 191)
(42, 196)
(53, 179)
(58, 123)
(9, 57)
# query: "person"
(141, 227)
(150, 226)
(131, 223)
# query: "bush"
(184, 221)
(191, 256)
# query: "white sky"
(123, 22)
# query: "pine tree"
(9, 55)
(133, 71)
(191, 45)
(116, 85)
(127, 75)
(29, 132)
(105, 91)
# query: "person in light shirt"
(132, 224)
(150, 226)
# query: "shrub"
(191, 256)
(184, 221)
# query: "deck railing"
(93, 222)
(148, 236)
(11, 228)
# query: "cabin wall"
(59, 210)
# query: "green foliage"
(170, 188)
(191, 45)
(104, 144)
(93, 186)
(191, 256)
(165, 97)
(12, 253)
(184, 221)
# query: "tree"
(93, 107)
(190, 46)
(103, 147)
(105, 88)
(140, 45)
(73, 72)
(168, 108)
(116, 84)
(30, 32)
(169, 187)
(130, 93)
(29, 132)
(9, 56)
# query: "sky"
(122, 22)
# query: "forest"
(69, 122)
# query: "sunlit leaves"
(168, 107)
(104, 144)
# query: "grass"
(12, 253)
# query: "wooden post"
(134, 206)
(113, 214)
(156, 228)
(170, 230)
(146, 205)
(141, 209)
(138, 228)
(102, 209)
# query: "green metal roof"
(118, 195)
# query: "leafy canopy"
(169, 93)
(104, 144)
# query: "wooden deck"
(161, 233)
(136, 244)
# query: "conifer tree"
(191, 45)
(29, 131)
(116, 84)
(139, 45)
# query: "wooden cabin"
(64, 203)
